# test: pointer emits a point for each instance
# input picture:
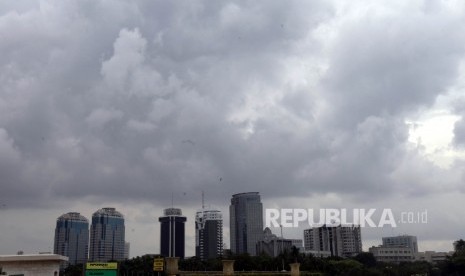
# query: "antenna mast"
(203, 200)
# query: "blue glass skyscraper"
(107, 236)
(72, 237)
(246, 222)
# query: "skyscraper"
(246, 222)
(340, 241)
(72, 237)
(107, 236)
(208, 234)
(172, 233)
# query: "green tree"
(455, 264)
(366, 258)
(418, 267)
(343, 267)
(192, 264)
(243, 262)
(459, 247)
(295, 254)
(73, 270)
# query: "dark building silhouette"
(273, 245)
(246, 222)
(208, 234)
(72, 237)
(172, 233)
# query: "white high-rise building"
(341, 241)
(208, 234)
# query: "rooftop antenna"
(203, 200)
(172, 200)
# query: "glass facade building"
(246, 222)
(107, 236)
(72, 237)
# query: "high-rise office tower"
(172, 233)
(246, 222)
(107, 236)
(341, 241)
(208, 234)
(72, 237)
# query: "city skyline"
(69, 220)
(298, 234)
(314, 104)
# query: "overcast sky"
(314, 104)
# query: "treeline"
(362, 264)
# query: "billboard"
(101, 273)
(101, 269)
(102, 266)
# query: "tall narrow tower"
(107, 236)
(172, 233)
(246, 222)
(72, 237)
(208, 234)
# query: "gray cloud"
(134, 101)
(392, 63)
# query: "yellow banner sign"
(98, 266)
(158, 264)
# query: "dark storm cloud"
(98, 99)
(459, 132)
(392, 64)
(131, 102)
(382, 67)
(459, 126)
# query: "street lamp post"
(282, 244)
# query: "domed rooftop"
(73, 216)
(108, 211)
